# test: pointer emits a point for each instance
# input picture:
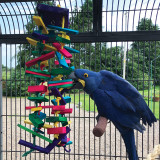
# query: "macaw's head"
(85, 79)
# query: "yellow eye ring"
(85, 75)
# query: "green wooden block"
(35, 133)
(38, 99)
(37, 53)
(62, 71)
(62, 86)
(38, 71)
(37, 122)
(63, 40)
(64, 123)
(66, 80)
(56, 119)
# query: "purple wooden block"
(30, 145)
(56, 141)
(49, 147)
(40, 36)
(52, 15)
(64, 140)
(55, 92)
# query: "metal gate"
(108, 31)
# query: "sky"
(111, 21)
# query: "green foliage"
(18, 84)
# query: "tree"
(148, 49)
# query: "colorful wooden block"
(49, 147)
(40, 88)
(62, 60)
(66, 111)
(40, 36)
(36, 53)
(60, 85)
(71, 50)
(38, 99)
(34, 43)
(39, 22)
(61, 39)
(59, 130)
(27, 121)
(62, 51)
(35, 133)
(41, 115)
(71, 31)
(68, 61)
(64, 142)
(52, 15)
(38, 74)
(56, 119)
(34, 147)
(62, 71)
(41, 58)
(55, 107)
(37, 122)
(67, 99)
(36, 109)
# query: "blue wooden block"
(67, 100)
(71, 31)
(73, 68)
(62, 62)
(71, 50)
(42, 115)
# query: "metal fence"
(108, 29)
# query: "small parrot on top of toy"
(118, 101)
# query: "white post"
(125, 50)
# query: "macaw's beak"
(77, 83)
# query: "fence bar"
(1, 155)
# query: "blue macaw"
(117, 100)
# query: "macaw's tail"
(129, 141)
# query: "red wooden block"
(40, 88)
(59, 130)
(41, 58)
(62, 51)
(57, 84)
(58, 108)
(66, 111)
(36, 73)
(67, 61)
(54, 108)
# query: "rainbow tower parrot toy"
(118, 101)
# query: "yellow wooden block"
(27, 121)
(39, 22)
(56, 136)
(59, 77)
(44, 62)
(50, 48)
(63, 35)
(63, 21)
(36, 109)
(34, 43)
(47, 126)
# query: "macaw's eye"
(85, 75)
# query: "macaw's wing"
(125, 89)
(126, 92)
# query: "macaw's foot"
(100, 128)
